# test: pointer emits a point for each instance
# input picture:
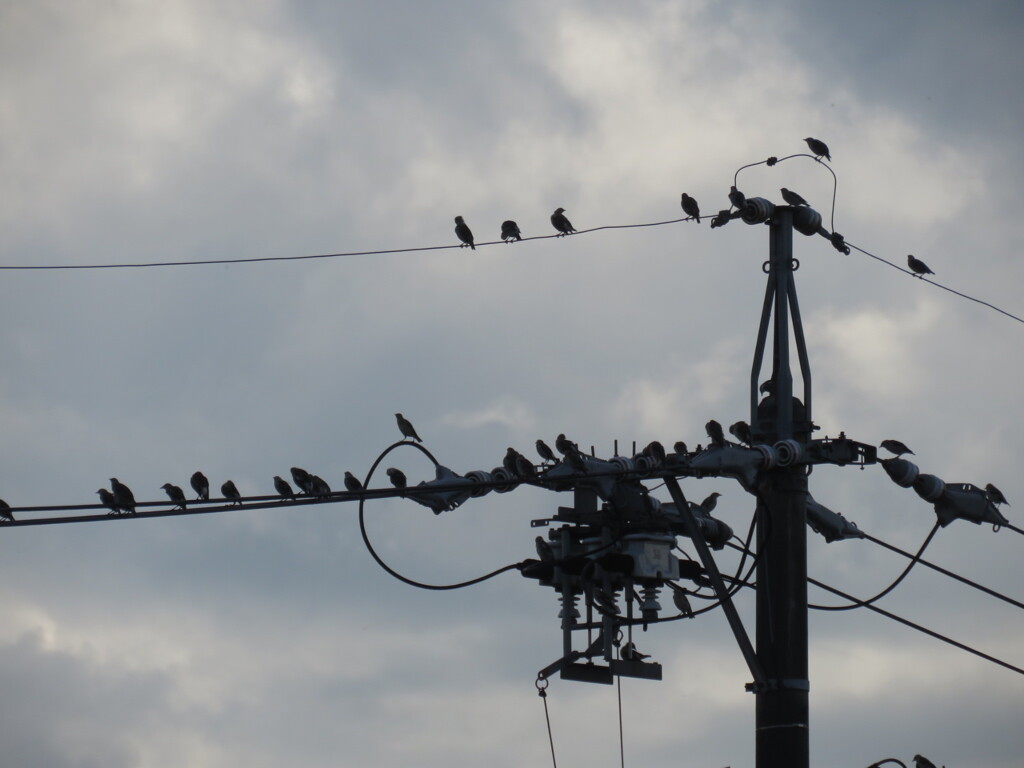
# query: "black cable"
(254, 260)
(918, 627)
(914, 560)
(775, 160)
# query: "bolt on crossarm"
(782, 702)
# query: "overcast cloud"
(137, 131)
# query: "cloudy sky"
(135, 131)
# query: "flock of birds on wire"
(120, 500)
(510, 231)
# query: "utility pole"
(782, 702)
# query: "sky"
(134, 131)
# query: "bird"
(509, 461)
(791, 197)
(709, 504)
(352, 483)
(544, 550)
(741, 431)
(655, 450)
(714, 430)
(123, 497)
(679, 447)
(200, 485)
(818, 147)
(995, 495)
(690, 207)
(682, 602)
(302, 479)
(397, 478)
(923, 762)
(464, 233)
(545, 452)
(524, 467)
(175, 494)
(318, 486)
(895, 447)
(917, 266)
(283, 488)
(5, 511)
(561, 223)
(630, 653)
(564, 445)
(229, 491)
(107, 500)
(406, 428)
(510, 231)
(736, 197)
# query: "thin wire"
(918, 627)
(622, 743)
(776, 160)
(543, 693)
(254, 260)
(937, 285)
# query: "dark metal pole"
(782, 704)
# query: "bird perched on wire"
(560, 222)
(352, 483)
(680, 600)
(510, 231)
(714, 430)
(741, 431)
(690, 207)
(917, 266)
(630, 653)
(791, 197)
(995, 495)
(5, 511)
(524, 467)
(397, 478)
(303, 479)
(464, 233)
(895, 447)
(229, 491)
(923, 762)
(175, 494)
(318, 487)
(284, 490)
(545, 452)
(123, 497)
(406, 428)
(818, 147)
(708, 505)
(564, 445)
(737, 198)
(200, 485)
(509, 461)
(107, 500)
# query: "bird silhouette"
(397, 478)
(995, 495)
(5, 511)
(352, 484)
(690, 207)
(923, 762)
(175, 494)
(509, 460)
(545, 452)
(791, 197)
(123, 497)
(630, 653)
(818, 147)
(714, 430)
(544, 550)
(229, 491)
(741, 431)
(737, 198)
(510, 231)
(318, 487)
(564, 445)
(200, 485)
(918, 267)
(561, 223)
(895, 447)
(709, 504)
(406, 428)
(107, 500)
(524, 467)
(302, 478)
(680, 600)
(464, 233)
(283, 488)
